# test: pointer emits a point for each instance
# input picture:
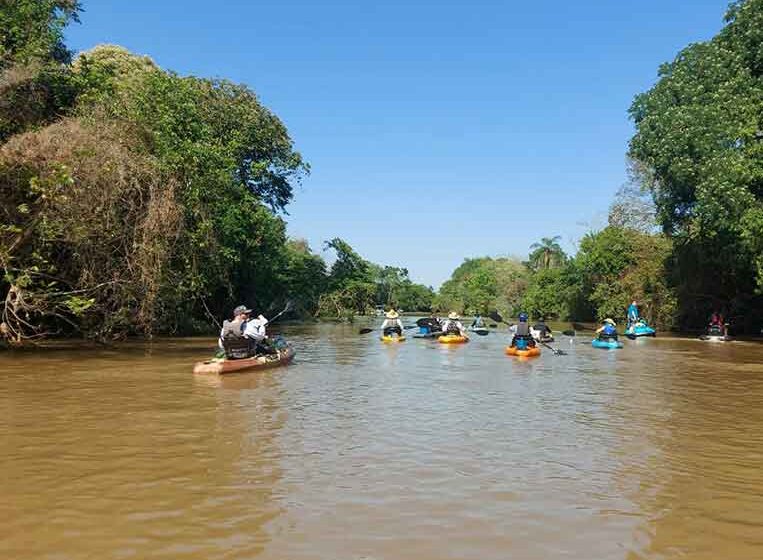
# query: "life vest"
(609, 331)
(233, 330)
(235, 345)
(451, 327)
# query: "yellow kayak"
(453, 339)
(393, 338)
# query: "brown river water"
(364, 451)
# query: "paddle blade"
(495, 316)
(365, 331)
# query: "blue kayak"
(606, 344)
(638, 330)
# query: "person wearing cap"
(235, 328)
(392, 323)
(453, 325)
(608, 330)
(522, 335)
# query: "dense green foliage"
(482, 285)
(699, 147)
(134, 200)
(356, 286)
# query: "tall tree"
(699, 146)
(547, 253)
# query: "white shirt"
(388, 323)
(255, 328)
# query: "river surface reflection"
(367, 451)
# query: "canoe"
(528, 353)
(637, 331)
(713, 338)
(453, 339)
(428, 335)
(606, 344)
(222, 366)
(392, 339)
(715, 335)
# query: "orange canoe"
(529, 353)
(222, 366)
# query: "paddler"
(453, 325)
(717, 322)
(541, 329)
(522, 336)
(392, 324)
(255, 330)
(235, 327)
(232, 340)
(478, 323)
(608, 330)
(633, 315)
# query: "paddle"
(495, 316)
(366, 331)
(289, 307)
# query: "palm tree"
(547, 253)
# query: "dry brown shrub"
(106, 233)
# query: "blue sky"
(435, 130)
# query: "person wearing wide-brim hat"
(392, 324)
(453, 325)
(608, 329)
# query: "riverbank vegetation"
(685, 238)
(135, 201)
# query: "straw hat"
(392, 314)
(453, 316)
(610, 321)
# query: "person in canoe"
(478, 323)
(607, 331)
(244, 337)
(523, 338)
(717, 323)
(432, 324)
(633, 316)
(256, 331)
(392, 324)
(232, 341)
(541, 331)
(453, 325)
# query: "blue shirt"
(632, 311)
